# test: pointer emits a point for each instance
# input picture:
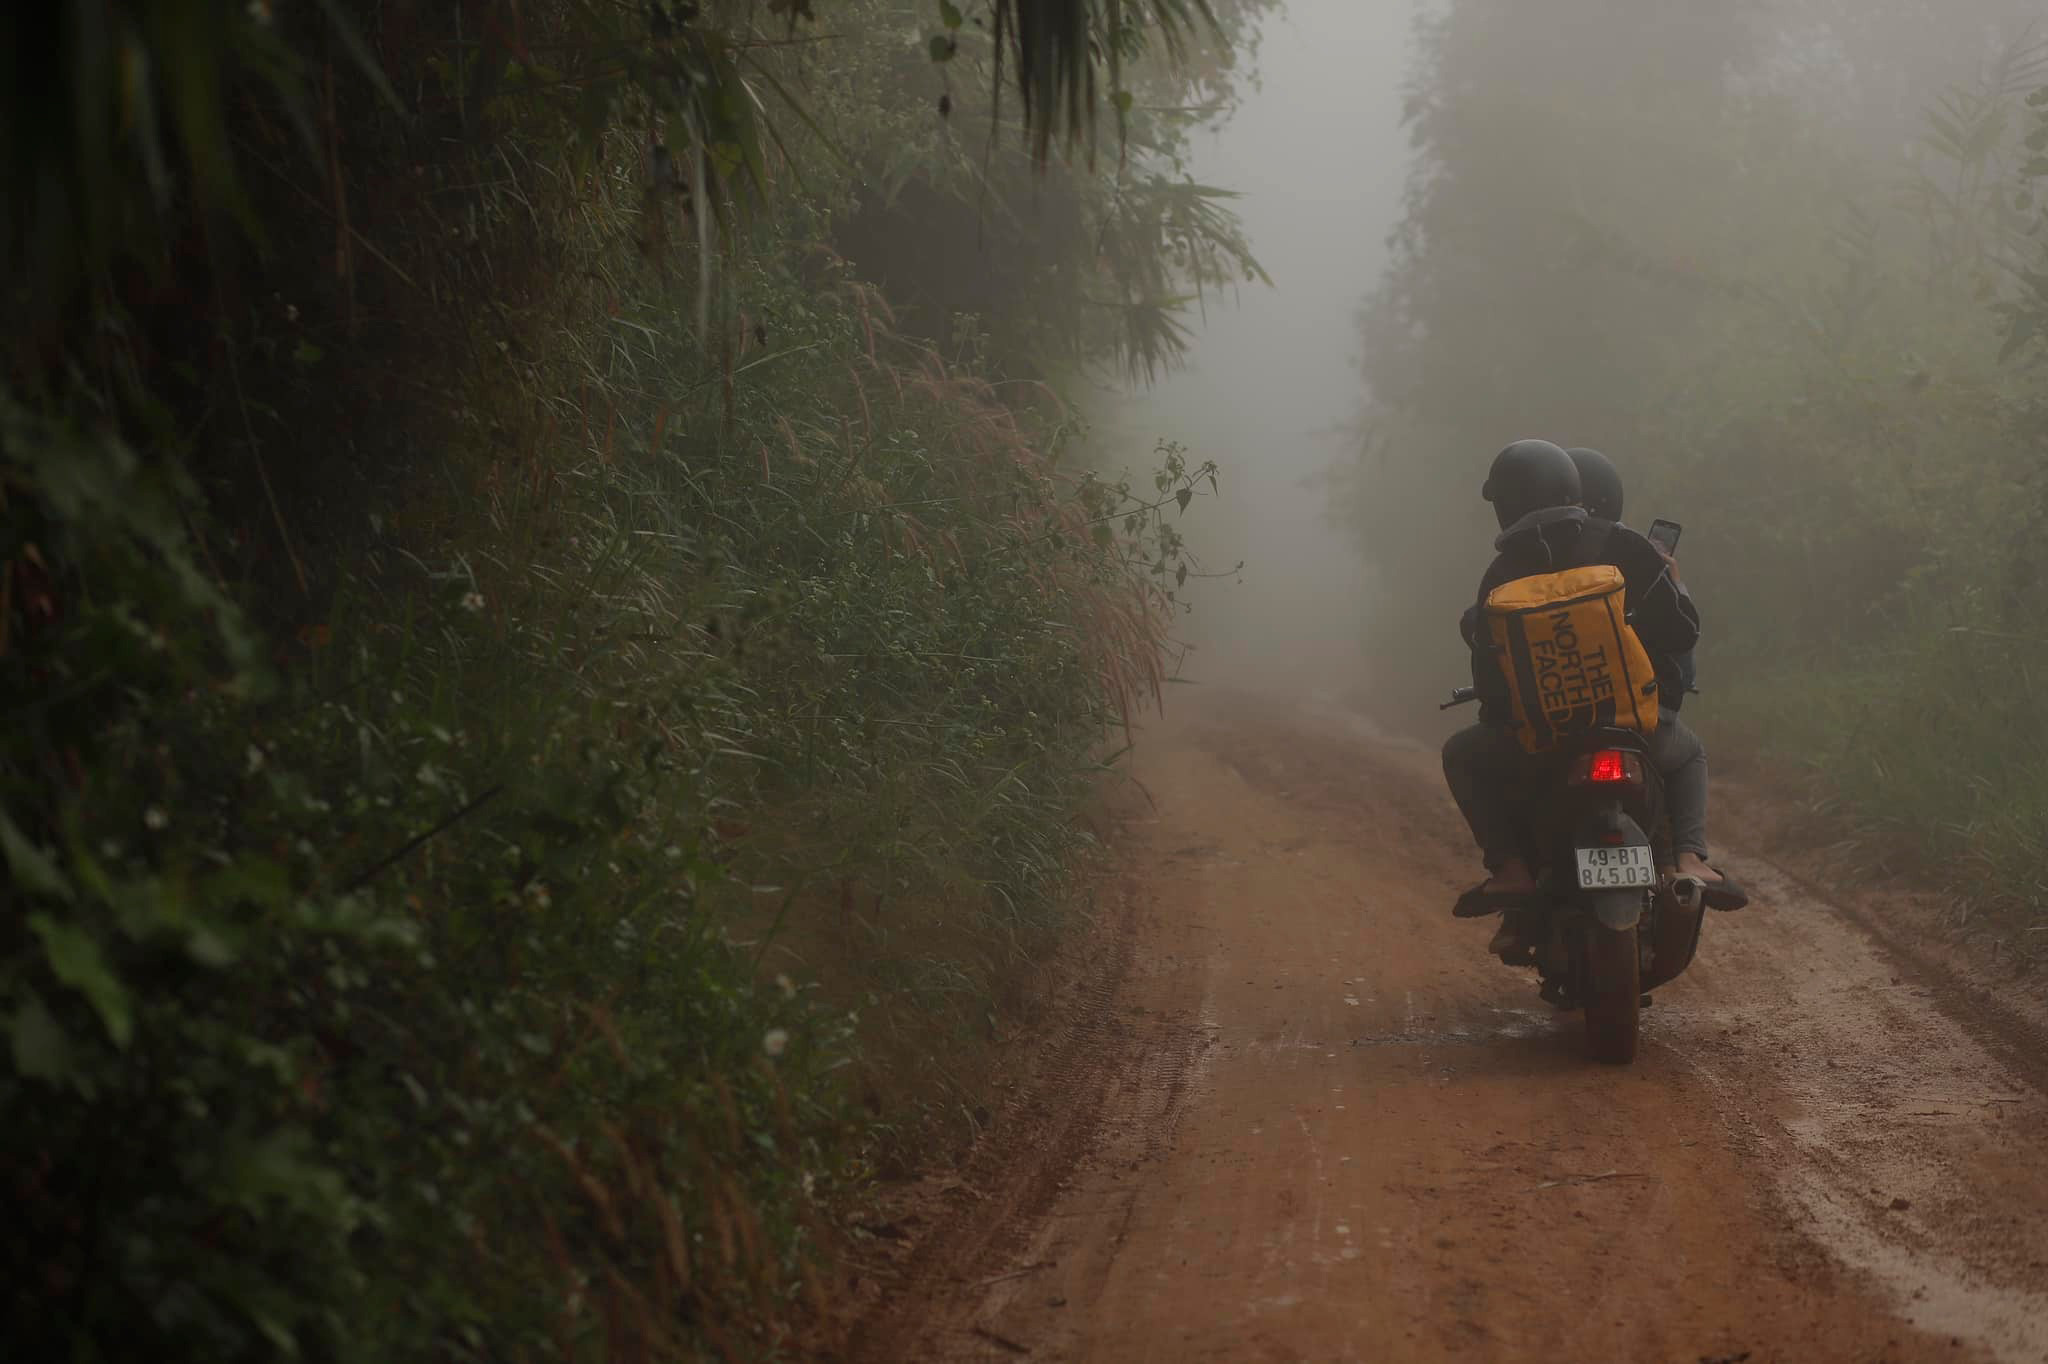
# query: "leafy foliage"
(402, 837)
(1055, 265)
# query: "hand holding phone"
(1664, 535)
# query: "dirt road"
(1294, 1112)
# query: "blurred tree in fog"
(1788, 264)
(1570, 197)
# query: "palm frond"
(1053, 48)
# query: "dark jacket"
(1683, 667)
(1663, 616)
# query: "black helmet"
(1529, 476)
(1599, 483)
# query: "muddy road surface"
(1292, 1111)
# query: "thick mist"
(1271, 388)
(1786, 264)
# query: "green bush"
(371, 1013)
(412, 947)
(402, 797)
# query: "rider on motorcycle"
(1536, 493)
(1685, 788)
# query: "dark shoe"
(1479, 902)
(1724, 894)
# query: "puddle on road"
(1832, 1079)
(1509, 1025)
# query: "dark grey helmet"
(1599, 483)
(1529, 476)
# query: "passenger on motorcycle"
(1600, 493)
(1536, 492)
(1685, 788)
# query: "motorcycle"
(1602, 933)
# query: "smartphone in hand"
(1664, 535)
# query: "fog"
(1271, 389)
(1782, 262)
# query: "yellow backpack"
(1571, 660)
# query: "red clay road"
(1292, 1111)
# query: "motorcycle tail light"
(1607, 767)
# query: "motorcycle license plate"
(1616, 868)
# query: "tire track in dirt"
(1896, 1123)
(1102, 1094)
(1301, 1115)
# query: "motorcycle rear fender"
(1616, 909)
(1619, 910)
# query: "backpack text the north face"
(1571, 660)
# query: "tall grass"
(1933, 741)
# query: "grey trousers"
(1487, 772)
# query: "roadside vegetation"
(1789, 267)
(558, 620)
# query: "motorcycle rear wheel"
(1613, 999)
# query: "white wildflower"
(472, 601)
(775, 1042)
(255, 758)
(154, 818)
(538, 893)
(786, 985)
